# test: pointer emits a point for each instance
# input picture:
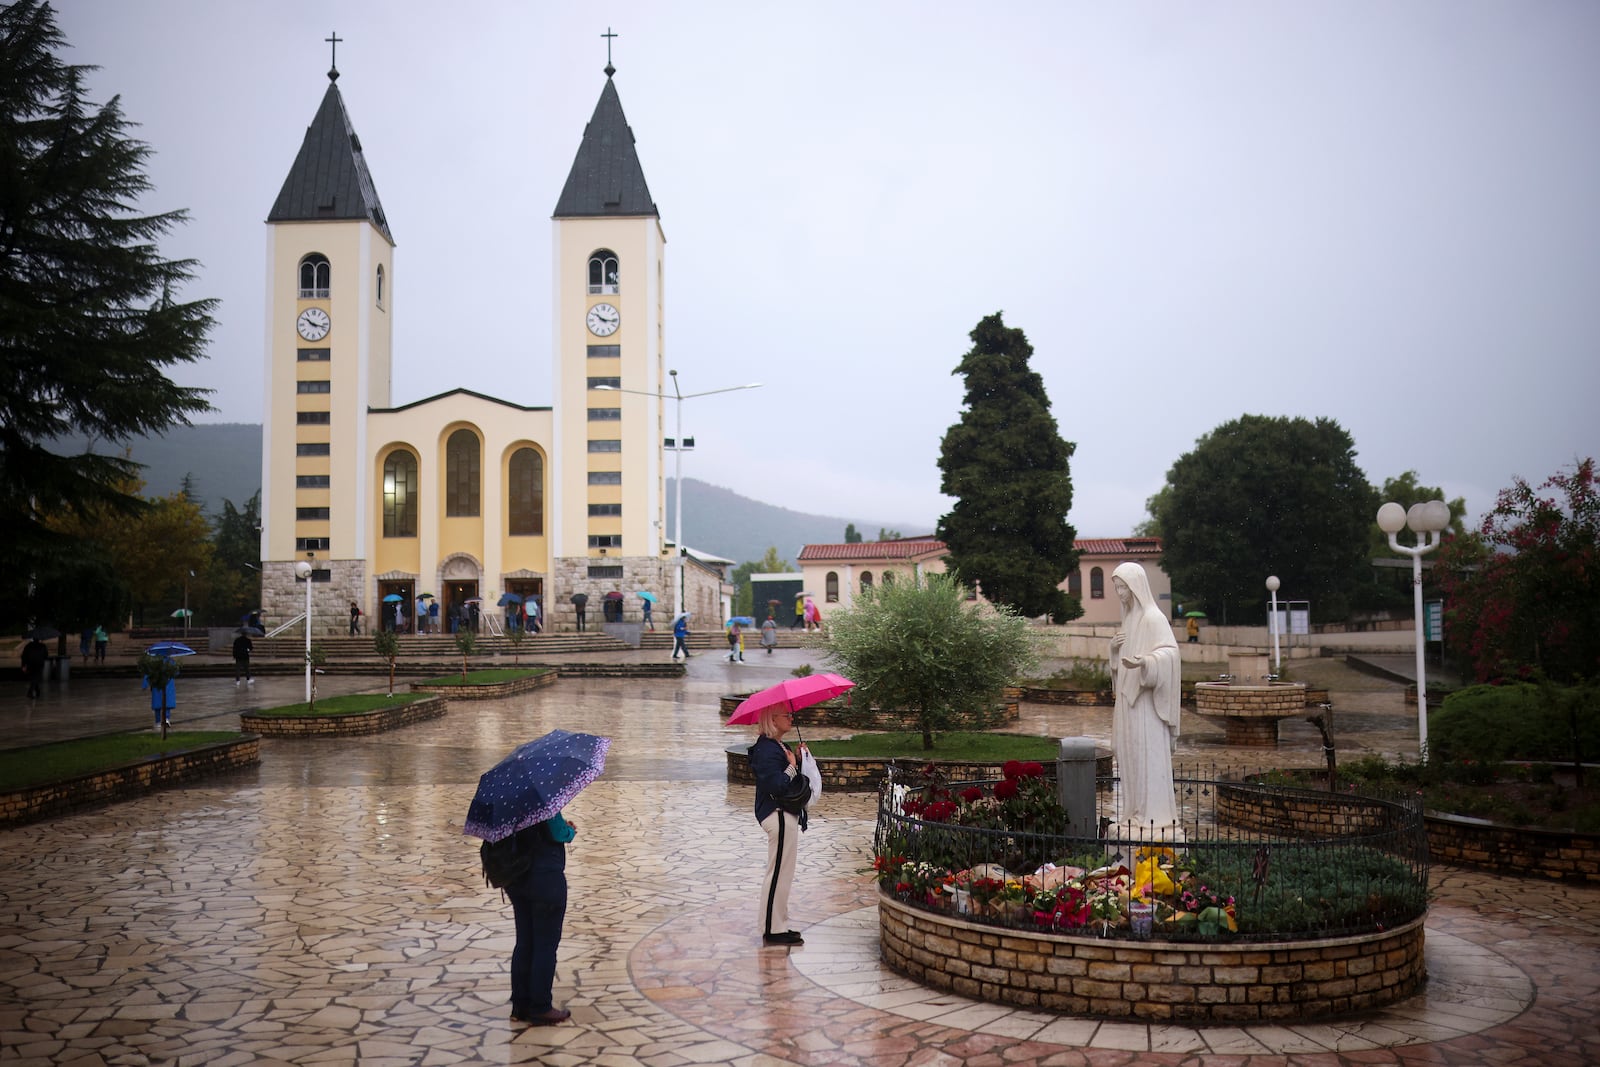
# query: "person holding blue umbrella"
(517, 812)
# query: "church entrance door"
(457, 611)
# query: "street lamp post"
(1427, 520)
(1272, 588)
(677, 478)
(302, 570)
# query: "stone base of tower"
(704, 590)
(283, 596)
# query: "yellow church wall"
(424, 429)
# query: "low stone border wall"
(1105, 698)
(359, 724)
(834, 713)
(1153, 981)
(127, 781)
(488, 692)
(857, 774)
(1469, 842)
(1453, 839)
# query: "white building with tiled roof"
(836, 573)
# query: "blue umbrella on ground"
(508, 599)
(534, 782)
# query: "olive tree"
(923, 647)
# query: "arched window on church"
(830, 587)
(866, 581)
(462, 472)
(1075, 584)
(1097, 584)
(380, 285)
(314, 277)
(603, 271)
(400, 495)
(526, 493)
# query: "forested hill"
(223, 462)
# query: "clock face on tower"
(313, 324)
(603, 320)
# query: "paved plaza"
(325, 908)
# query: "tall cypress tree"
(88, 318)
(1007, 466)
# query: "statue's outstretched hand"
(1133, 662)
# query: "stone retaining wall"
(360, 724)
(858, 774)
(488, 692)
(1453, 839)
(129, 780)
(1153, 981)
(1511, 850)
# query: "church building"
(464, 496)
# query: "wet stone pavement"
(325, 908)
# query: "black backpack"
(505, 860)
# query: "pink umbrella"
(792, 694)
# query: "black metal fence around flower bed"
(1247, 861)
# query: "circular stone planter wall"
(488, 692)
(1155, 980)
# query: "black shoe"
(544, 1018)
(788, 937)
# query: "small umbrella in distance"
(507, 599)
(647, 596)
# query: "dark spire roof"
(329, 179)
(606, 177)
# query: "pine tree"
(89, 318)
(1007, 466)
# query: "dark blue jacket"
(770, 766)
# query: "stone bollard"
(1075, 780)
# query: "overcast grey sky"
(1383, 213)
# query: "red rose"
(1011, 769)
(1006, 790)
(1032, 770)
(972, 795)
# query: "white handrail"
(285, 626)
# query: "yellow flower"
(1149, 873)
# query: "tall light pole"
(1427, 521)
(1272, 588)
(677, 478)
(302, 570)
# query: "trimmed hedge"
(1520, 721)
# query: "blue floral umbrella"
(534, 782)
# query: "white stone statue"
(1146, 677)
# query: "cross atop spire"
(333, 39)
(608, 35)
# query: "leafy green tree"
(852, 536)
(386, 643)
(90, 320)
(1263, 495)
(921, 646)
(889, 535)
(1390, 587)
(155, 551)
(466, 643)
(1530, 605)
(1007, 467)
(743, 597)
(234, 582)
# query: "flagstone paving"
(325, 908)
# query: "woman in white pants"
(781, 795)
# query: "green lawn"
(20, 768)
(975, 746)
(488, 677)
(354, 704)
